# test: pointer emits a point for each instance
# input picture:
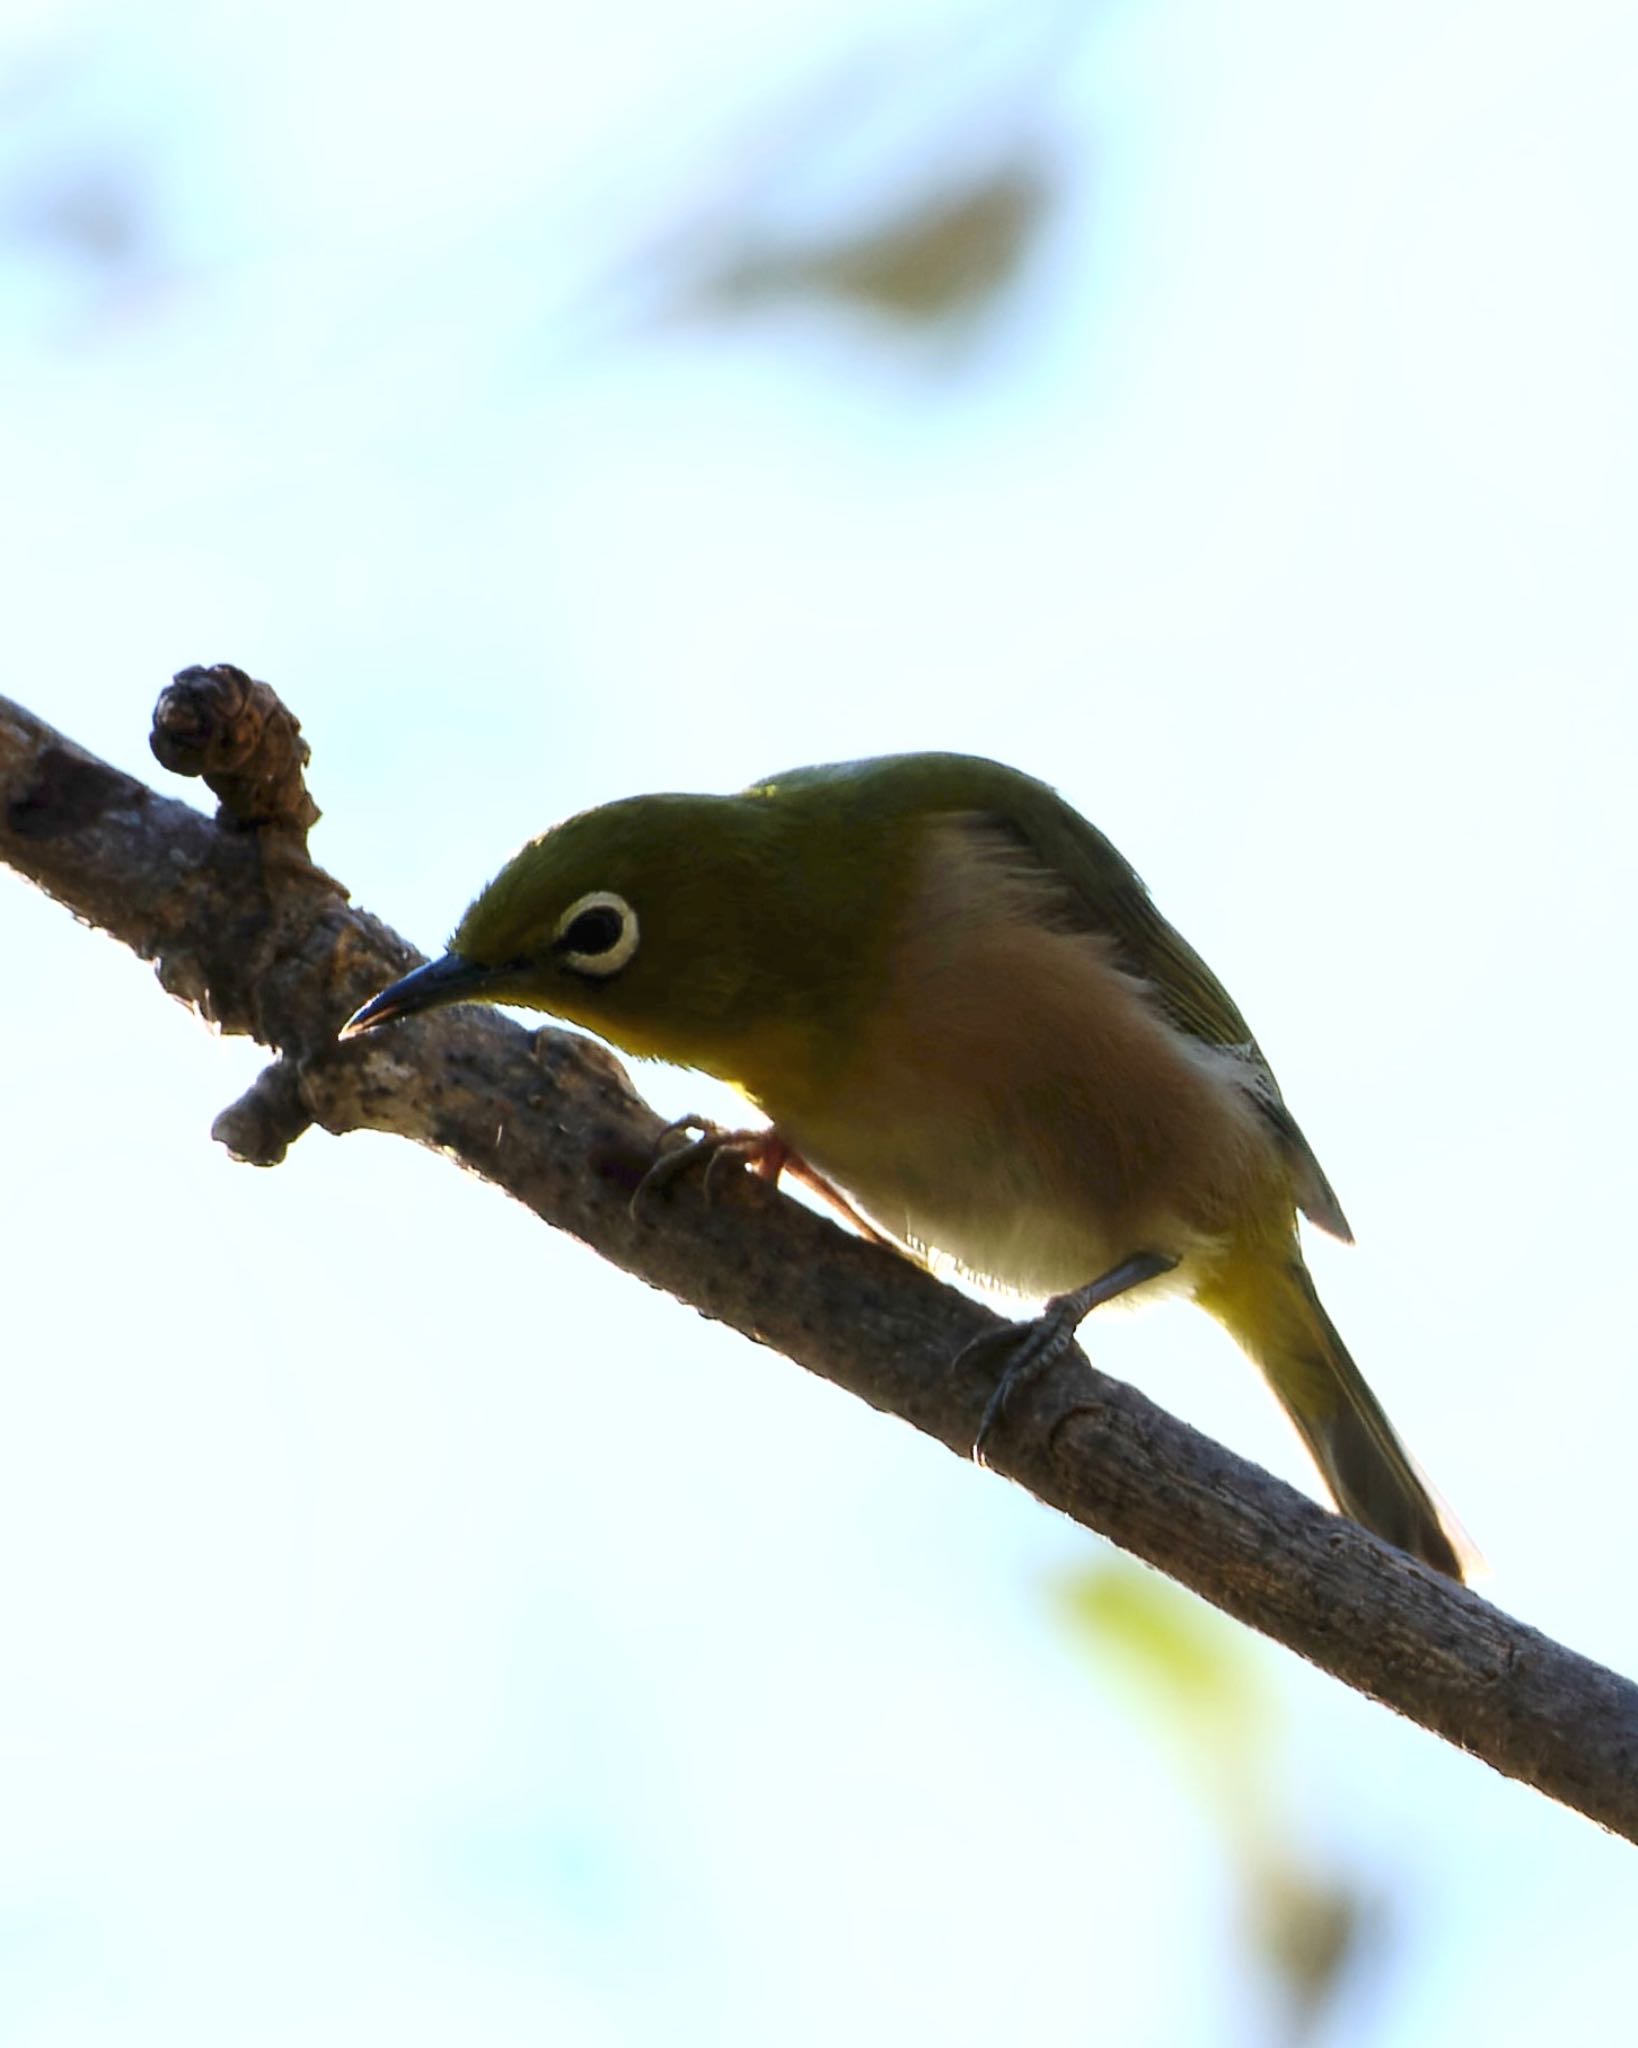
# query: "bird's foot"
(713, 1143)
(1034, 1346)
(764, 1152)
(1026, 1348)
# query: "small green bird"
(955, 1001)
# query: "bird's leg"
(798, 1168)
(1035, 1345)
(764, 1152)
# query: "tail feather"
(1281, 1323)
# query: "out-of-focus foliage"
(946, 254)
(82, 226)
(1199, 1683)
(912, 185)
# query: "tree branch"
(244, 928)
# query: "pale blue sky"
(369, 1673)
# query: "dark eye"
(594, 931)
(597, 934)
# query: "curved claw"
(670, 1165)
(1036, 1345)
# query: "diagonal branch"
(244, 928)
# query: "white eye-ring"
(597, 934)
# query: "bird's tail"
(1272, 1311)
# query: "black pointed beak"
(449, 980)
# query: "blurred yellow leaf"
(1199, 1678)
(1189, 1664)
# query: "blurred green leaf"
(946, 255)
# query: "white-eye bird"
(954, 1000)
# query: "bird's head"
(683, 928)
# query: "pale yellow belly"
(987, 1200)
(1019, 1104)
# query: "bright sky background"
(368, 1675)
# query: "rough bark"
(243, 927)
